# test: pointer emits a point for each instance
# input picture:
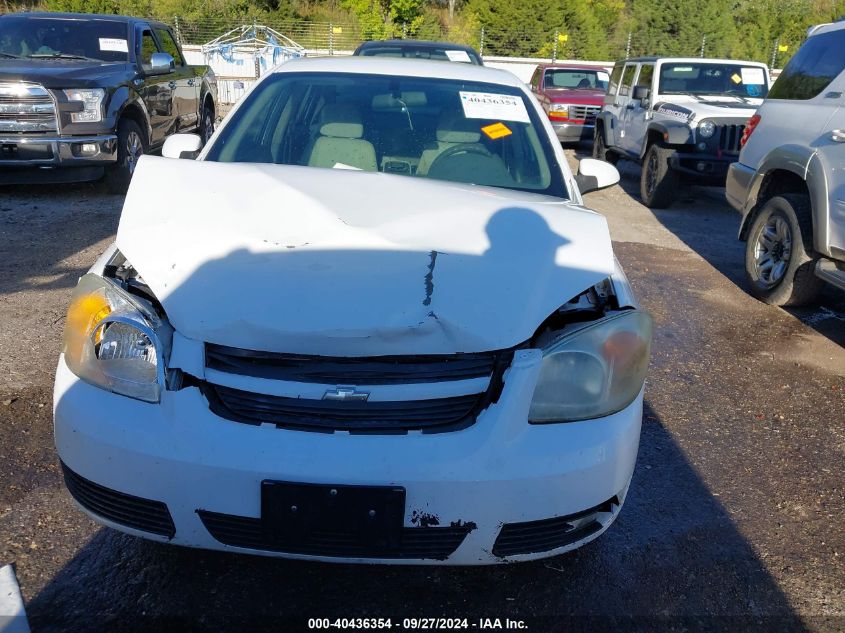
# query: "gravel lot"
(734, 519)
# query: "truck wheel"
(206, 123)
(779, 256)
(131, 145)
(658, 181)
(600, 150)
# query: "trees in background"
(596, 29)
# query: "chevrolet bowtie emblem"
(346, 394)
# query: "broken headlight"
(593, 371)
(113, 341)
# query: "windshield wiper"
(10, 55)
(58, 56)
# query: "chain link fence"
(552, 43)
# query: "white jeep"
(789, 182)
(682, 119)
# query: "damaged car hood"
(337, 262)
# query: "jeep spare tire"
(658, 181)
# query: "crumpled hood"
(337, 262)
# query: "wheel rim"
(651, 173)
(134, 150)
(207, 126)
(773, 250)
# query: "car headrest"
(458, 129)
(412, 99)
(341, 121)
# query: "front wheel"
(779, 258)
(206, 123)
(658, 181)
(600, 150)
(131, 145)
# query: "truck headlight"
(706, 129)
(594, 371)
(113, 342)
(92, 102)
(559, 110)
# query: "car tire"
(658, 181)
(779, 257)
(206, 123)
(600, 150)
(131, 145)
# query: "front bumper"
(25, 159)
(498, 471)
(571, 132)
(738, 185)
(702, 167)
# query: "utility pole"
(331, 38)
(703, 44)
(628, 46)
(775, 54)
(481, 43)
(554, 47)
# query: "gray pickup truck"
(83, 96)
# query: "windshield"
(37, 37)
(475, 133)
(713, 79)
(575, 79)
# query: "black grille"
(729, 138)
(548, 534)
(374, 370)
(436, 543)
(327, 415)
(134, 512)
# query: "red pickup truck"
(572, 96)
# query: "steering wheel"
(462, 148)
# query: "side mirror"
(160, 64)
(182, 146)
(641, 93)
(595, 174)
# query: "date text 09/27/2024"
(417, 624)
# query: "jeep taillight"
(749, 129)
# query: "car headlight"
(593, 372)
(92, 103)
(113, 342)
(560, 109)
(706, 129)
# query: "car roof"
(415, 44)
(691, 60)
(399, 66)
(571, 66)
(83, 16)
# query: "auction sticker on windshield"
(753, 76)
(458, 56)
(113, 44)
(489, 105)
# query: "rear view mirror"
(182, 146)
(595, 174)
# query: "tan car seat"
(340, 140)
(453, 130)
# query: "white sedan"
(372, 322)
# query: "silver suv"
(682, 118)
(789, 182)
